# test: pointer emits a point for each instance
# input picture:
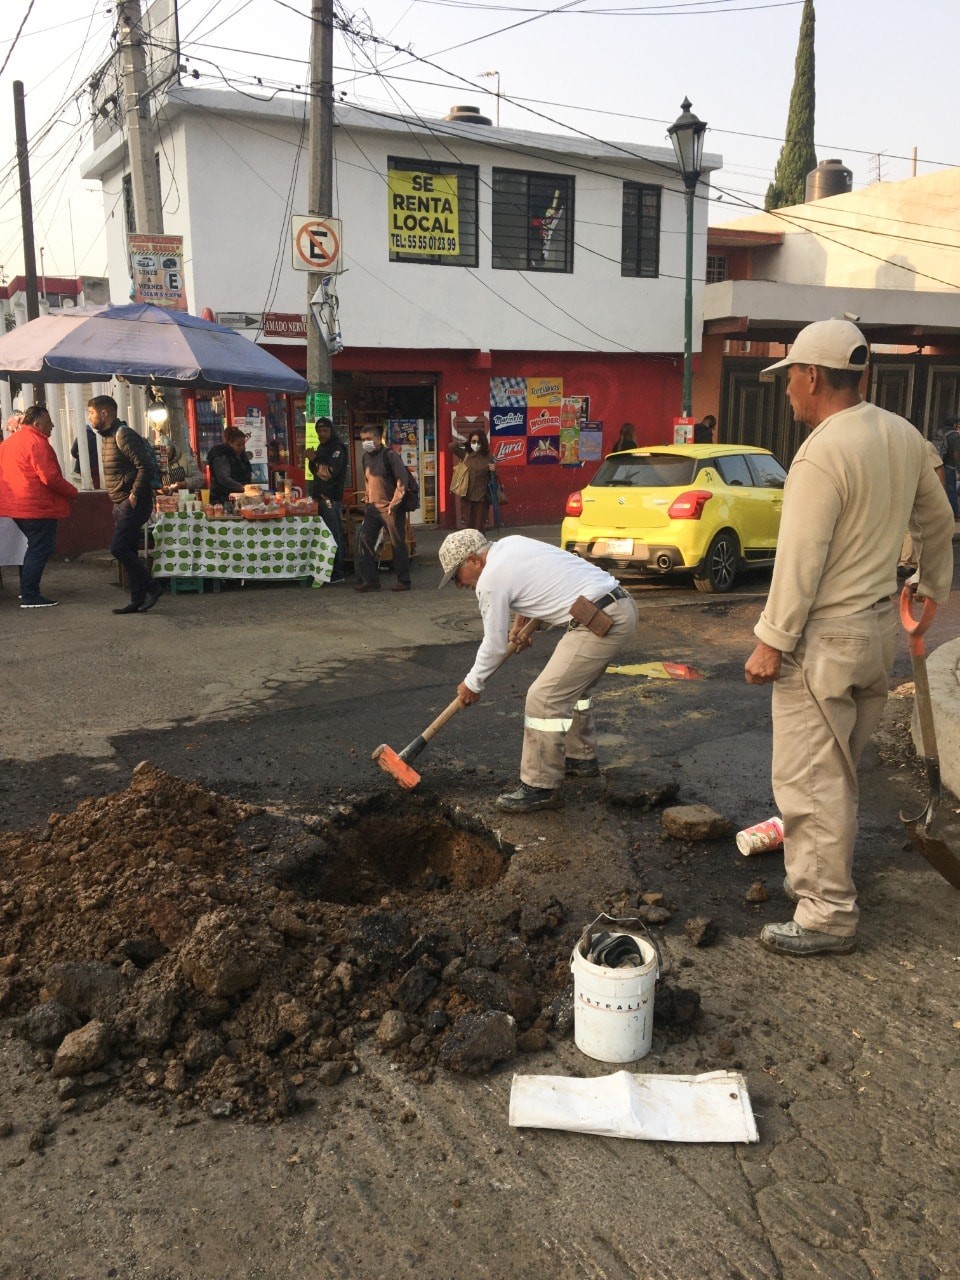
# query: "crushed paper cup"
(761, 838)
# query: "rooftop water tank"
(467, 115)
(829, 178)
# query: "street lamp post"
(686, 134)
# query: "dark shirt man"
(328, 466)
(127, 479)
(230, 469)
(385, 490)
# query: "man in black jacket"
(328, 466)
(127, 479)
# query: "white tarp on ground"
(714, 1107)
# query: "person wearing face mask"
(386, 487)
(474, 453)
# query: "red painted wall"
(642, 389)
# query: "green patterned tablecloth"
(187, 545)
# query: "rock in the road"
(45, 1025)
(478, 1041)
(758, 892)
(222, 958)
(701, 930)
(82, 1050)
(393, 1030)
(695, 822)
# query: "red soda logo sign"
(507, 452)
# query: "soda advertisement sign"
(509, 452)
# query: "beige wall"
(892, 235)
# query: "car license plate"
(615, 547)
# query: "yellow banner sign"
(424, 213)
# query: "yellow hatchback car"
(707, 509)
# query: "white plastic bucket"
(613, 1008)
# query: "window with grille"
(716, 268)
(532, 221)
(432, 212)
(129, 211)
(640, 252)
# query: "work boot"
(589, 768)
(367, 586)
(528, 799)
(789, 890)
(153, 595)
(791, 939)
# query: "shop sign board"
(316, 243)
(156, 268)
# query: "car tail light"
(689, 505)
(574, 505)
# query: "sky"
(612, 69)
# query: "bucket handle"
(583, 945)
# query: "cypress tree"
(798, 155)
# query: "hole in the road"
(419, 853)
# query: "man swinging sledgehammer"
(522, 579)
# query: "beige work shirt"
(855, 483)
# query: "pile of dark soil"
(186, 949)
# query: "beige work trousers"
(826, 704)
(557, 720)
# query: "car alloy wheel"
(720, 564)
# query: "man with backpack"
(387, 481)
(130, 476)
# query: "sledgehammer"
(397, 763)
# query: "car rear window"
(645, 471)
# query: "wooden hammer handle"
(450, 711)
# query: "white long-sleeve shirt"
(853, 486)
(522, 575)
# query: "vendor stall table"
(189, 545)
(12, 545)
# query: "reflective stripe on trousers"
(551, 732)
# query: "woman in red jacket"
(35, 495)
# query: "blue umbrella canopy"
(143, 344)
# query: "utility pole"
(319, 367)
(26, 217)
(136, 114)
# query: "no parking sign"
(316, 243)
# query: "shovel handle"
(915, 628)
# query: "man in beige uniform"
(827, 633)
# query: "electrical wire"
(13, 43)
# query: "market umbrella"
(143, 344)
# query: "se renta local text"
(424, 212)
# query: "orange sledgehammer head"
(398, 769)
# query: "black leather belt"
(617, 593)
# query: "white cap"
(455, 548)
(832, 344)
